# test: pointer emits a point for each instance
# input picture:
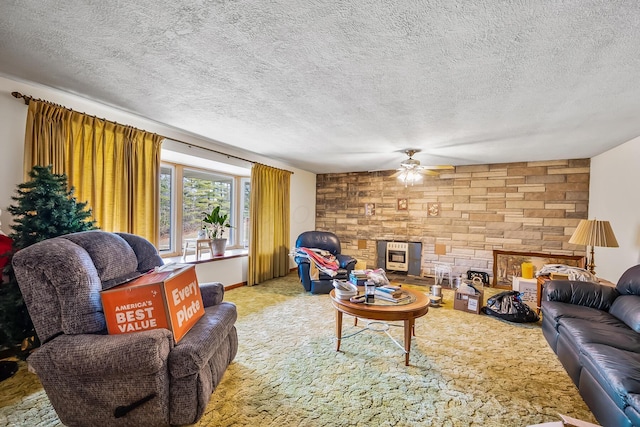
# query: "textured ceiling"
(331, 86)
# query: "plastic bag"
(378, 276)
(508, 306)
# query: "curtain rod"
(27, 99)
(190, 145)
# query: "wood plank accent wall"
(531, 207)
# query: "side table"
(407, 313)
(540, 284)
(199, 245)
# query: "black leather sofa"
(594, 330)
(329, 242)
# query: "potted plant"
(217, 225)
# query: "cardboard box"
(469, 303)
(528, 289)
(565, 422)
(168, 297)
(360, 264)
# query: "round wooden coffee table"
(407, 313)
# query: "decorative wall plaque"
(402, 204)
(433, 209)
(369, 209)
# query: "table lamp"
(591, 232)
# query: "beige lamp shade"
(591, 232)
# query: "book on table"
(394, 291)
(388, 297)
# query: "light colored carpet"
(466, 370)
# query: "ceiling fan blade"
(437, 167)
(428, 172)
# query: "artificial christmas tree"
(7, 367)
(44, 208)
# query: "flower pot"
(219, 246)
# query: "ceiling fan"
(410, 170)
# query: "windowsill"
(191, 259)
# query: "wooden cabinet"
(540, 283)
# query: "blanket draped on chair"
(323, 260)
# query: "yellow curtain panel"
(269, 216)
(115, 168)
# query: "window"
(201, 192)
(186, 193)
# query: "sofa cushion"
(581, 332)
(627, 309)
(147, 254)
(616, 370)
(67, 294)
(629, 283)
(558, 310)
(199, 344)
(633, 410)
(587, 294)
(113, 258)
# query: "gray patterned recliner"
(136, 379)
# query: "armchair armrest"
(212, 293)
(587, 294)
(346, 261)
(142, 353)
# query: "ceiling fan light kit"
(411, 172)
(410, 176)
